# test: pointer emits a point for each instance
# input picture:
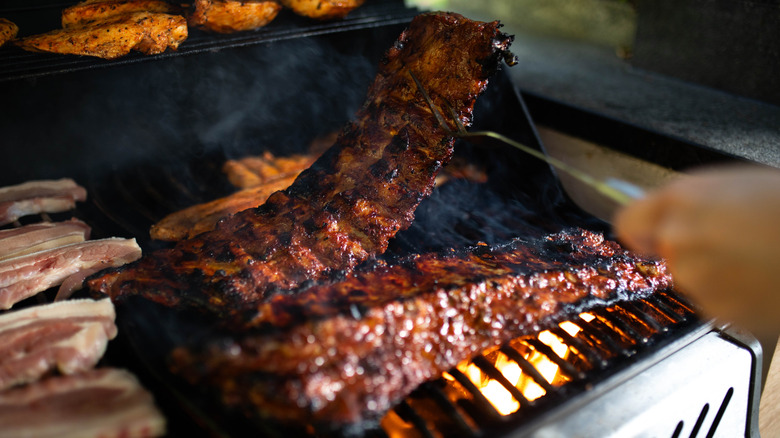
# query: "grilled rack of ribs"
(340, 354)
(347, 206)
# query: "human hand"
(719, 231)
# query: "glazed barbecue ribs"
(345, 208)
(340, 354)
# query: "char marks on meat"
(347, 206)
(343, 353)
(68, 337)
(99, 403)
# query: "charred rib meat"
(262, 177)
(353, 199)
(346, 352)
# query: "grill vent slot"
(721, 411)
(678, 430)
(700, 420)
(703, 415)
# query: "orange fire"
(499, 396)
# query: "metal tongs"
(620, 191)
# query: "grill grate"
(597, 345)
(606, 340)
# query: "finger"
(636, 224)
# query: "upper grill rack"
(608, 340)
(18, 64)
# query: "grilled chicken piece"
(352, 200)
(191, 221)
(257, 170)
(8, 30)
(101, 403)
(147, 32)
(260, 177)
(339, 354)
(68, 337)
(200, 218)
(43, 196)
(91, 11)
(323, 9)
(228, 16)
(263, 178)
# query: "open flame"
(498, 395)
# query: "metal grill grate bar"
(480, 401)
(565, 366)
(408, 414)
(603, 335)
(642, 317)
(582, 347)
(528, 368)
(616, 320)
(492, 372)
(449, 409)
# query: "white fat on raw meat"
(67, 337)
(103, 402)
(34, 197)
(24, 276)
(33, 238)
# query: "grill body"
(146, 136)
(705, 388)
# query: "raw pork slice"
(68, 337)
(103, 403)
(34, 197)
(32, 238)
(25, 276)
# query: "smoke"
(226, 103)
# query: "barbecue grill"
(147, 136)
